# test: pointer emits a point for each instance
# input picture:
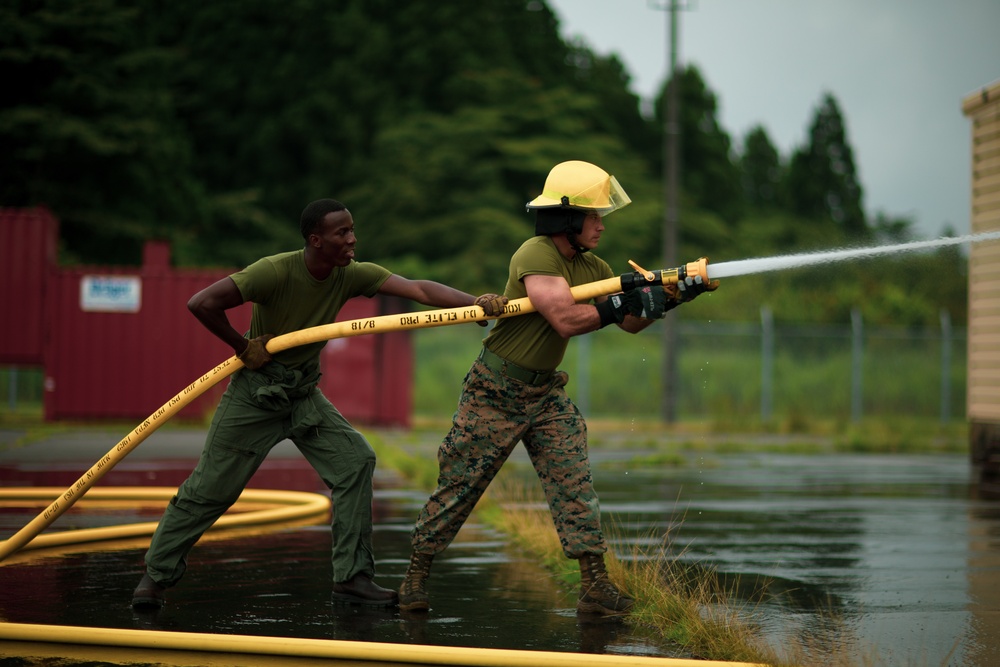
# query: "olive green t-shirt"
(529, 340)
(286, 298)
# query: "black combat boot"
(360, 589)
(148, 594)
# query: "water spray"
(745, 267)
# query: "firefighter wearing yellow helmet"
(573, 190)
(514, 393)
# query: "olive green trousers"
(258, 410)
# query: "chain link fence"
(766, 372)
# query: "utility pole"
(671, 180)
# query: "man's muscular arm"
(210, 306)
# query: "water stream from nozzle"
(745, 267)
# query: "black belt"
(511, 370)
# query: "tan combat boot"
(413, 591)
(597, 594)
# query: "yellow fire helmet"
(581, 186)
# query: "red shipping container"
(28, 240)
(122, 343)
(369, 377)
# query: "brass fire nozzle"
(665, 276)
(697, 268)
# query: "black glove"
(689, 288)
(256, 355)
(648, 302)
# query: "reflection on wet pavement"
(888, 556)
(276, 582)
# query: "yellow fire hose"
(371, 325)
(299, 505)
(329, 649)
(278, 507)
(128, 646)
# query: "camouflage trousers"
(494, 414)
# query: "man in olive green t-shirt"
(513, 392)
(276, 397)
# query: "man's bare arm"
(210, 306)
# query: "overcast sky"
(898, 68)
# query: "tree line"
(211, 125)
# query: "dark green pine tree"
(763, 172)
(709, 175)
(87, 127)
(822, 180)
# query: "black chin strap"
(571, 237)
(570, 232)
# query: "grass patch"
(685, 605)
(682, 603)
(35, 430)
(904, 436)
(421, 471)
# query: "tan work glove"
(256, 354)
(492, 304)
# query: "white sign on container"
(111, 294)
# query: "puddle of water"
(483, 593)
(889, 556)
(892, 557)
